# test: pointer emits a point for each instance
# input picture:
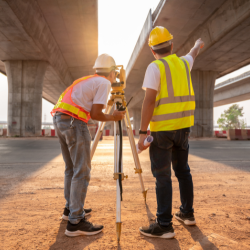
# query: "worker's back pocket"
(67, 131)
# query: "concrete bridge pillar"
(136, 114)
(25, 83)
(203, 83)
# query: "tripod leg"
(98, 134)
(116, 177)
(118, 193)
(135, 154)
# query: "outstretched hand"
(200, 43)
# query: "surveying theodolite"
(117, 99)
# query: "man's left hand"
(141, 142)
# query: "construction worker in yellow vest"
(169, 106)
(84, 99)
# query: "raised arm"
(199, 44)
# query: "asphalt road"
(41, 150)
(22, 158)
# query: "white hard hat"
(104, 63)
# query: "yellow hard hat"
(159, 35)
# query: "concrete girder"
(2, 68)
(233, 90)
(225, 34)
(36, 28)
(224, 99)
(25, 84)
(64, 33)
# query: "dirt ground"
(32, 202)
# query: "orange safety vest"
(67, 106)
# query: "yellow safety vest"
(175, 102)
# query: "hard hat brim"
(105, 70)
(162, 45)
(170, 38)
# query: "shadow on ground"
(65, 242)
(22, 158)
(197, 236)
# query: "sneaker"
(84, 227)
(66, 211)
(156, 230)
(188, 218)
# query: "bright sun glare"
(120, 23)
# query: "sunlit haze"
(120, 23)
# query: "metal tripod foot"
(118, 231)
(145, 194)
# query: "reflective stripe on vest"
(173, 112)
(72, 109)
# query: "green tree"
(230, 119)
(243, 124)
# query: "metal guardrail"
(43, 123)
(217, 127)
(4, 124)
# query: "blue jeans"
(171, 147)
(75, 143)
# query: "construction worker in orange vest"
(84, 99)
(169, 106)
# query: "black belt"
(63, 116)
(60, 113)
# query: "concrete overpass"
(44, 46)
(233, 90)
(224, 25)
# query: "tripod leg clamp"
(116, 176)
(138, 170)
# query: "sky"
(119, 24)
